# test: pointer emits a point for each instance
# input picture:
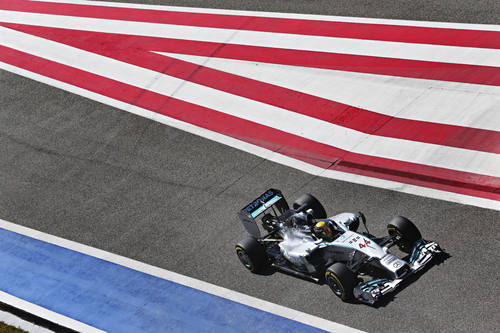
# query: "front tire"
(252, 254)
(405, 229)
(341, 281)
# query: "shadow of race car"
(355, 265)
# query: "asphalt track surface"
(100, 176)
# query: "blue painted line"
(115, 298)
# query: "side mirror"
(362, 217)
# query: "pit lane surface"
(97, 175)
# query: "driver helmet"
(322, 230)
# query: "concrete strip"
(15, 321)
(44, 313)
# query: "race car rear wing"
(270, 198)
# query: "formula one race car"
(303, 242)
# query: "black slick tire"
(341, 281)
(310, 202)
(404, 228)
(251, 254)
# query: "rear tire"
(341, 281)
(311, 203)
(404, 228)
(252, 254)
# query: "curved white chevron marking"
(418, 99)
(327, 18)
(411, 51)
(291, 122)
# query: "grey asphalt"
(103, 177)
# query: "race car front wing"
(421, 255)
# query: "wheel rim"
(245, 260)
(335, 286)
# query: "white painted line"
(10, 319)
(174, 277)
(329, 18)
(38, 310)
(314, 129)
(261, 152)
(411, 51)
(453, 103)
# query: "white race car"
(303, 242)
